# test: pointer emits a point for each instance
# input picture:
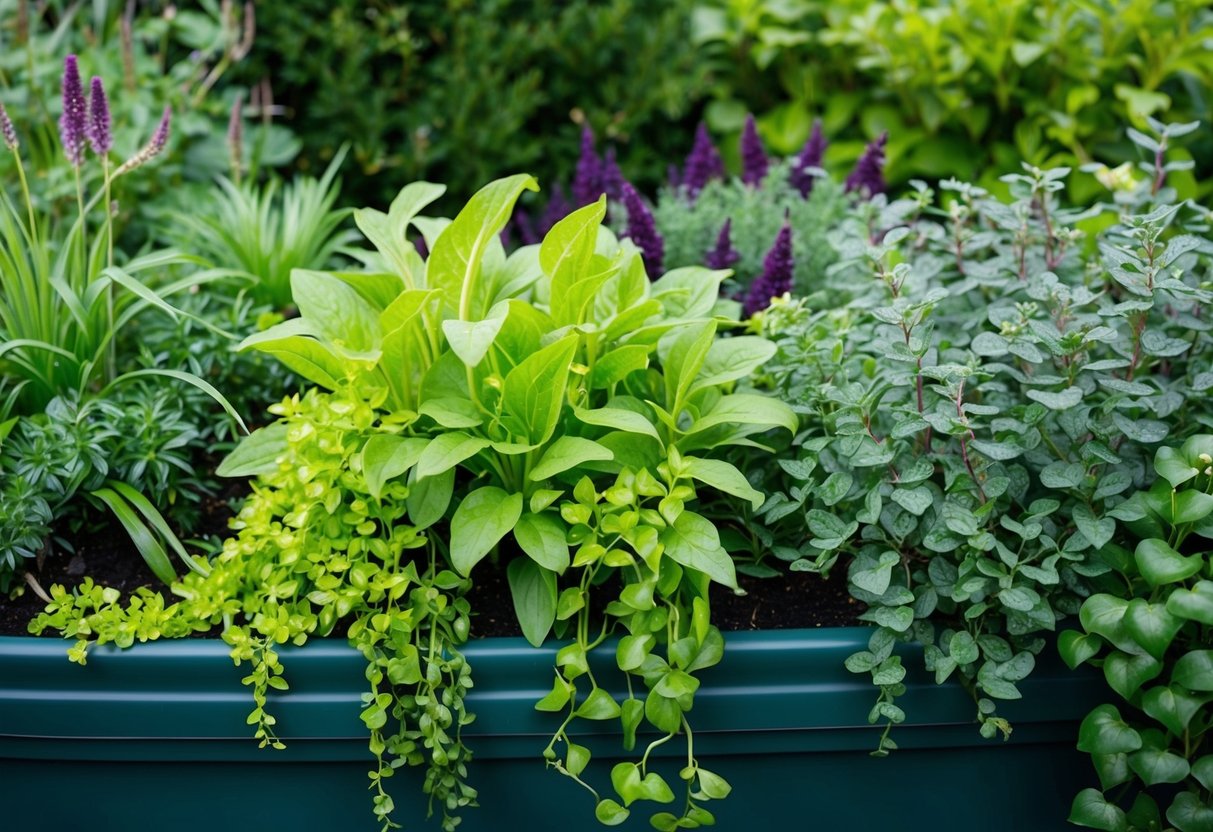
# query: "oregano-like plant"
(1150, 629)
(988, 386)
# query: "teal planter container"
(155, 737)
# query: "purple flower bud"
(557, 209)
(612, 177)
(703, 164)
(810, 157)
(525, 227)
(776, 277)
(100, 138)
(423, 250)
(673, 176)
(753, 155)
(160, 137)
(868, 176)
(73, 123)
(7, 130)
(642, 231)
(587, 178)
(722, 255)
(505, 236)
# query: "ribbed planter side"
(155, 736)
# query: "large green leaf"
(1092, 810)
(534, 392)
(455, 258)
(730, 359)
(1195, 604)
(1160, 564)
(1151, 626)
(543, 538)
(335, 311)
(1194, 670)
(387, 456)
(725, 477)
(481, 520)
(682, 352)
(565, 453)
(566, 254)
(1104, 731)
(447, 450)
(533, 589)
(692, 541)
(256, 454)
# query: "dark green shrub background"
(458, 92)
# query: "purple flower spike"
(8, 131)
(722, 255)
(73, 123)
(587, 178)
(703, 164)
(612, 177)
(868, 176)
(100, 138)
(160, 137)
(642, 231)
(753, 155)
(673, 176)
(557, 209)
(525, 228)
(810, 157)
(776, 277)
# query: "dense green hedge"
(457, 92)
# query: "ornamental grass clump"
(66, 298)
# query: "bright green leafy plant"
(552, 411)
(1148, 628)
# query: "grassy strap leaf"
(153, 516)
(151, 550)
(453, 267)
(543, 539)
(724, 476)
(534, 391)
(692, 541)
(568, 452)
(481, 520)
(256, 454)
(188, 378)
(533, 589)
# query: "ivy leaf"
(1189, 814)
(1090, 809)
(480, 521)
(1160, 564)
(1174, 707)
(1151, 626)
(1097, 531)
(1195, 604)
(1194, 670)
(1104, 731)
(1126, 673)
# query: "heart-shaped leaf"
(1151, 626)
(628, 783)
(1126, 673)
(1195, 670)
(1188, 814)
(1202, 770)
(1104, 615)
(1090, 809)
(1160, 564)
(1076, 647)
(1195, 604)
(1113, 769)
(1103, 731)
(1154, 765)
(1173, 466)
(1097, 530)
(1174, 707)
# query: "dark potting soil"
(792, 600)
